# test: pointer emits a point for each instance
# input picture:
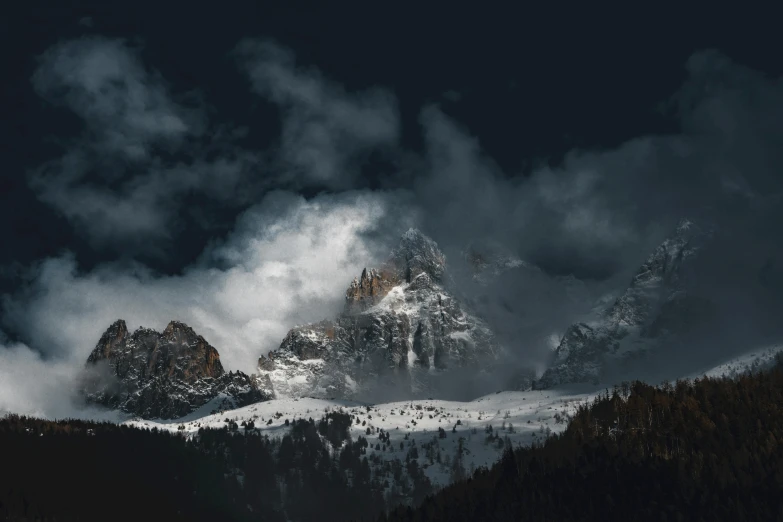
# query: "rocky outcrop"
(162, 375)
(655, 304)
(369, 289)
(400, 327)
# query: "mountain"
(162, 375)
(400, 328)
(657, 304)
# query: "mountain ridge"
(164, 374)
(400, 325)
(652, 307)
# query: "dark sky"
(234, 166)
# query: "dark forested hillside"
(706, 450)
(75, 470)
(701, 451)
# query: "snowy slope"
(523, 417)
(755, 360)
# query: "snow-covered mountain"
(403, 331)
(401, 327)
(656, 304)
(472, 432)
(162, 375)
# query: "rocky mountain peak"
(400, 326)
(161, 374)
(417, 254)
(178, 327)
(369, 289)
(656, 303)
(663, 265)
(660, 273)
(114, 336)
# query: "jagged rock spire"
(649, 307)
(416, 254)
(369, 289)
(113, 337)
(401, 325)
(161, 374)
(665, 261)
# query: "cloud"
(141, 155)
(289, 261)
(598, 214)
(601, 212)
(146, 153)
(326, 131)
(105, 84)
(30, 385)
(565, 219)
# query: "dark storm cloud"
(140, 153)
(125, 105)
(590, 222)
(326, 131)
(609, 208)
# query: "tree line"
(81, 470)
(701, 450)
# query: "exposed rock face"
(369, 289)
(416, 255)
(400, 326)
(656, 304)
(162, 375)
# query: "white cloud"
(32, 386)
(289, 261)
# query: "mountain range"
(403, 329)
